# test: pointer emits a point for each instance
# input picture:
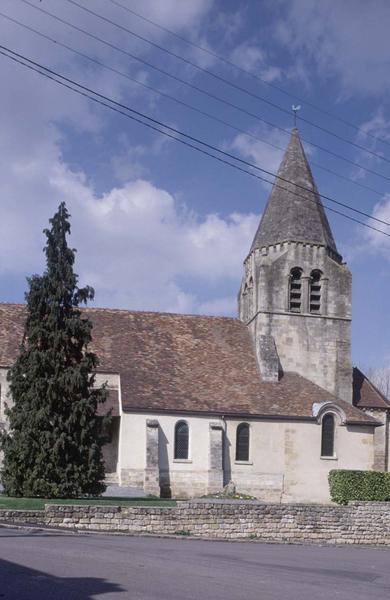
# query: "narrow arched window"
(295, 292)
(181, 440)
(327, 439)
(315, 292)
(245, 302)
(242, 442)
(250, 297)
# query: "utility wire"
(224, 80)
(230, 63)
(183, 141)
(85, 91)
(174, 99)
(200, 90)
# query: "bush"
(346, 485)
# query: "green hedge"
(346, 485)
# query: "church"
(268, 401)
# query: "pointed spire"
(293, 213)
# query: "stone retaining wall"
(22, 517)
(358, 523)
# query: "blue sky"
(158, 226)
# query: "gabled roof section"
(185, 364)
(294, 211)
(365, 394)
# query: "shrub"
(346, 485)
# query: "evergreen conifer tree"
(54, 445)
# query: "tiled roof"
(294, 211)
(365, 394)
(185, 363)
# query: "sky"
(157, 225)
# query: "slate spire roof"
(293, 213)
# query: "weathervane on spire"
(295, 109)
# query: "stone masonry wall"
(357, 523)
(317, 346)
(22, 517)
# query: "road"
(49, 565)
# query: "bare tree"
(380, 378)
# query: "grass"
(7, 502)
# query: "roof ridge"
(133, 311)
(157, 312)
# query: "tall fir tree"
(54, 444)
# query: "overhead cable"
(222, 79)
(231, 63)
(202, 91)
(178, 101)
(173, 133)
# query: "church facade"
(269, 401)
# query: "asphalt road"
(59, 566)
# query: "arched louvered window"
(181, 440)
(315, 292)
(327, 437)
(295, 292)
(242, 442)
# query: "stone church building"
(269, 400)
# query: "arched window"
(245, 302)
(295, 292)
(327, 437)
(250, 297)
(242, 442)
(315, 292)
(181, 440)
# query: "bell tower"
(295, 295)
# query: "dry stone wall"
(358, 523)
(22, 517)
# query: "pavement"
(57, 566)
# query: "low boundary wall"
(357, 523)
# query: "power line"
(200, 90)
(230, 63)
(53, 75)
(223, 79)
(174, 99)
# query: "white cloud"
(134, 243)
(370, 134)
(266, 154)
(270, 74)
(377, 241)
(130, 160)
(377, 126)
(348, 39)
(249, 56)
(229, 24)
(252, 57)
(144, 242)
(174, 14)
